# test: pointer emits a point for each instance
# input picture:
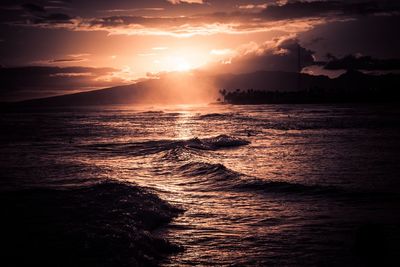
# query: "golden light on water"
(182, 128)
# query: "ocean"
(207, 185)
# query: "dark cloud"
(203, 23)
(55, 18)
(126, 20)
(279, 55)
(45, 70)
(33, 13)
(301, 9)
(61, 60)
(362, 63)
(33, 8)
(161, 21)
(315, 40)
(375, 36)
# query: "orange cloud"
(186, 1)
(192, 26)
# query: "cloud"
(159, 48)
(253, 6)
(33, 8)
(286, 16)
(362, 63)
(206, 24)
(220, 52)
(301, 9)
(51, 19)
(172, 25)
(186, 1)
(281, 54)
(134, 9)
(369, 35)
(66, 60)
(37, 14)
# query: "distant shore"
(316, 96)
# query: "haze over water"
(295, 185)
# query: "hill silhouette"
(352, 86)
(172, 88)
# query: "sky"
(66, 46)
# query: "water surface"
(295, 185)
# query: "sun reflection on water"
(183, 126)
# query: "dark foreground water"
(274, 185)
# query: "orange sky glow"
(120, 42)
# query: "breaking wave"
(153, 147)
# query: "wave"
(106, 224)
(155, 112)
(288, 188)
(219, 176)
(215, 177)
(207, 176)
(208, 169)
(156, 146)
(214, 143)
(216, 115)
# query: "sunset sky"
(105, 43)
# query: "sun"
(177, 63)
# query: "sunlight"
(176, 63)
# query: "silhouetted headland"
(350, 87)
(250, 88)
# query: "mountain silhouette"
(189, 87)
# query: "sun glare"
(176, 63)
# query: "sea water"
(265, 185)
